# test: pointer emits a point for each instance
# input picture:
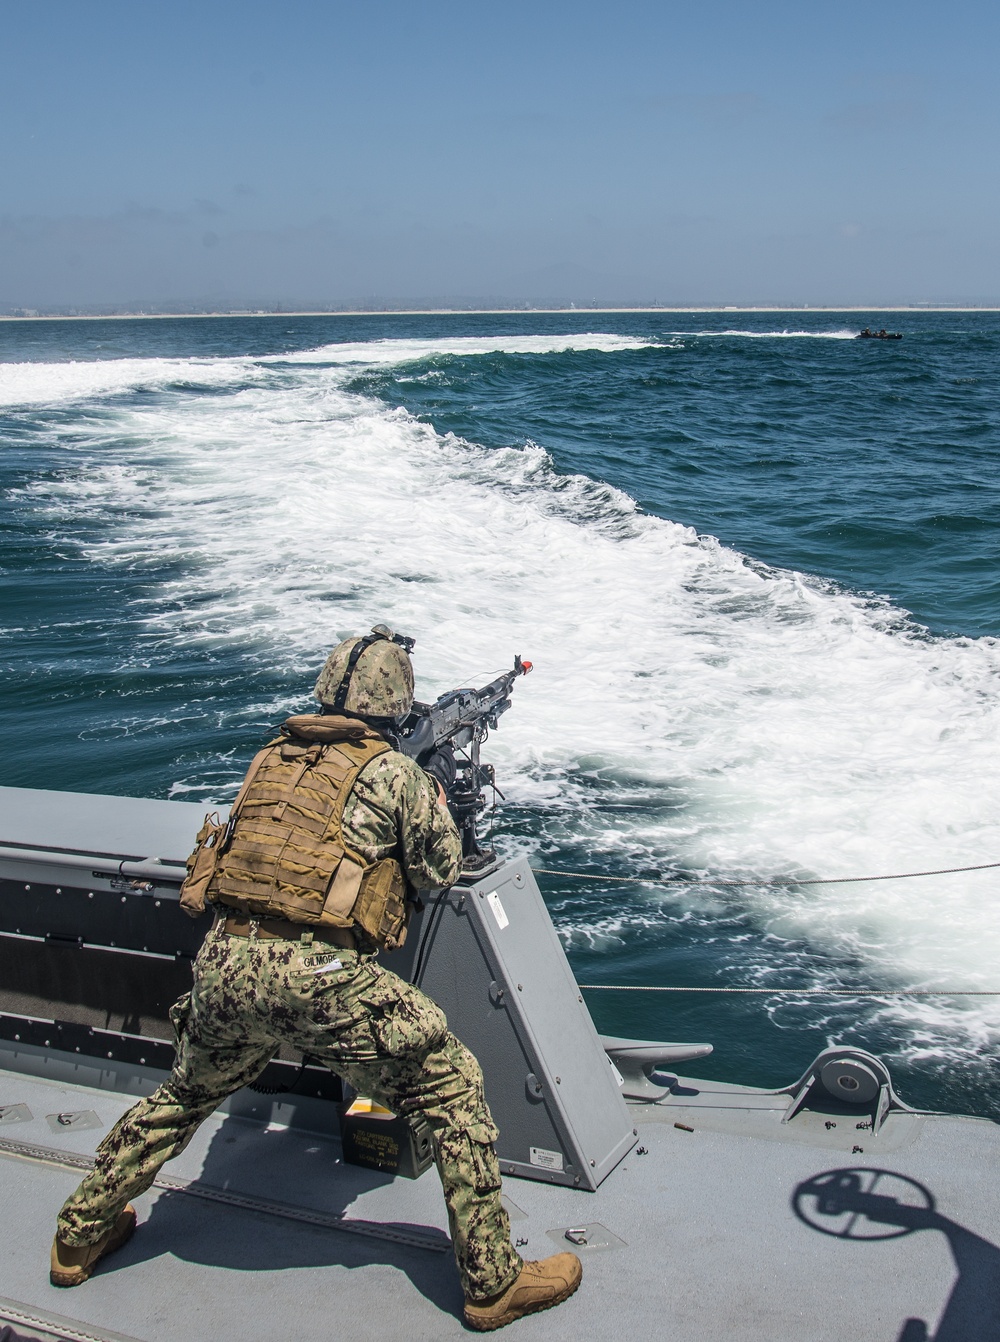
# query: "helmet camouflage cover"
(380, 684)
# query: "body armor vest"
(283, 853)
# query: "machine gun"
(461, 720)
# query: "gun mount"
(461, 720)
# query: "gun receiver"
(462, 720)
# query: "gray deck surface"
(712, 1245)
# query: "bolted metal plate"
(489, 956)
(512, 1209)
(73, 1119)
(14, 1113)
(581, 1238)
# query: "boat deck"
(741, 1229)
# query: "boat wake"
(843, 334)
(690, 710)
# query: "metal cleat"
(637, 1060)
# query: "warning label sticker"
(493, 900)
(546, 1160)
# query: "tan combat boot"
(539, 1286)
(71, 1264)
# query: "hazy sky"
(317, 150)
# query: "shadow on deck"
(864, 1204)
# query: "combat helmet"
(370, 676)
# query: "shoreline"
(476, 312)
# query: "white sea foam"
(26, 384)
(409, 351)
(774, 335)
(795, 728)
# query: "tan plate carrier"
(282, 852)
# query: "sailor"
(332, 829)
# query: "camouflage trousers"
(383, 1036)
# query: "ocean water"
(754, 561)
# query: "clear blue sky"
(317, 150)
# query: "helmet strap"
(340, 700)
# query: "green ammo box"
(380, 1140)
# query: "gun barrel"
(458, 715)
(504, 683)
(456, 720)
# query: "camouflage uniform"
(383, 1036)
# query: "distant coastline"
(32, 316)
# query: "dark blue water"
(875, 464)
(194, 510)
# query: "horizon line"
(30, 316)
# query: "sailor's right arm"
(398, 811)
(429, 837)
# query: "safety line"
(795, 992)
(780, 881)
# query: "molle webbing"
(287, 856)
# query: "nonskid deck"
(698, 1234)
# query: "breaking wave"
(26, 384)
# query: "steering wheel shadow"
(874, 1204)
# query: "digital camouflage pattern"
(385, 1037)
(393, 811)
(381, 682)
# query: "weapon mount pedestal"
(487, 953)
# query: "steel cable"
(793, 992)
(779, 881)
